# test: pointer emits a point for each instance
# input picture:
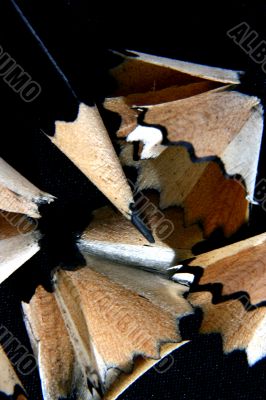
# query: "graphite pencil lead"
(141, 226)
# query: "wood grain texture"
(74, 336)
(201, 188)
(193, 104)
(105, 315)
(110, 235)
(141, 365)
(7, 228)
(9, 381)
(210, 121)
(115, 338)
(17, 194)
(115, 313)
(60, 372)
(127, 107)
(12, 224)
(148, 80)
(145, 80)
(240, 267)
(240, 329)
(219, 123)
(141, 73)
(19, 199)
(87, 144)
(156, 288)
(15, 250)
(128, 115)
(162, 96)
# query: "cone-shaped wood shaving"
(240, 269)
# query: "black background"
(78, 33)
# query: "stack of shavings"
(193, 143)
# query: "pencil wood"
(174, 116)
(165, 104)
(109, 235)
(19, 200)
(201, 188)
(60, 371)
(10, 385)
(18, 195)
(219, 123)
(126, 313)
(18, 242)
(141, 366)
(64, 370)
(240, 269)
(241, 329)
(191, 104)
(140, 73)
(97, 321)
(74, 126)
(86, 142)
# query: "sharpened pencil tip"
(141, 226)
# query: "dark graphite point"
(140, 225)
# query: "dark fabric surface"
(78, 35)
